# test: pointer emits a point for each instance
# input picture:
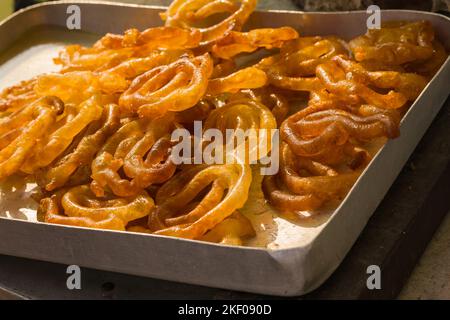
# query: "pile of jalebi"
(96, 136)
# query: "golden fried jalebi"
(326, 131)
(171, 38)
(112, 50)
(76, 87)
(96, 136)
(304, 185)
(395, 43)
(408, 84)
(336, 81)
(235, 42)
(134, 67)
(78, 58)
(156, 167)
(192, 13)
(244, 115)
(18, 96)
(22, 130)
(271, 98)
(184, 210)
(294, 68)
(175, 87)
(54, 144)
(430, 66)
(81, 208)
(84, 151)
(248, 78)
(126, 150)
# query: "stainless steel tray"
(286, 259)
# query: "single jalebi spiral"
(194, 13)
(335, 80)
(305, 185)
(131, 68)
(62, 134)
(158, 38)
(175, 87)
(294, 67)
(323, 133)
(21, 131)
(395, 43)
(18, 96)
(409, 85)
(252, 125)
(142, 150)
(84, 151)
(235, 42)
(197, 199)
(80, 207)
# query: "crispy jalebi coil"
(79, 58)
(18, 96)
(271, 98)
(175, 87)
(252, 124)
(300, 57)
(80, 159)
(321, 134)
(248, 78)
(78, 86)
(395, 43)
(112, 50)
(171, 38)
(294, 68)
(20, 132)
(305, 185)
(335, 80)
(231, 231)
(157, 166)
(235, 42)
(408, 84)
(194, 14)
(322, 100)
(430, 66)
(56, 142)
(142, 150)
(130, 69)
(197, 199)
(80, 207)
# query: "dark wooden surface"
(394, 239)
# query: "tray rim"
(122, 4)
(204, 243)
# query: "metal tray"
(286, 259)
